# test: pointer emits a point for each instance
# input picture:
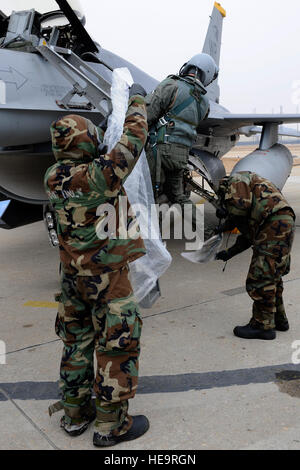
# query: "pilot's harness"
(158, 132)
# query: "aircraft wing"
(223, 123)
(282, 131)
(241, 120)
(260, 119)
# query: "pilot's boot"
(254, 330)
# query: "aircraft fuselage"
(30, 88)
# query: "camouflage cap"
(74, 138)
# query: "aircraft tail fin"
(212, 45)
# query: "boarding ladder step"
(85, 81)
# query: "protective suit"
(267, 223)
(97, 309)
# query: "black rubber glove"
(241, 244)
(227, 226)
(137, 89)
(223, 256)
(102, 149)
(104, 123)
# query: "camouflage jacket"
(251, 201)
(97, 230)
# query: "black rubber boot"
(252, 331)
(282, 324)
(139, 427)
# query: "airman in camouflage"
(267, 223)
(97, 308)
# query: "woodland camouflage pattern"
(81, 181)
(97, 308)
(268, 224)
(99, 313)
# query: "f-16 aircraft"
(50, 66)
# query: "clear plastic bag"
(121, 82)
(208, 251)
(146, 271)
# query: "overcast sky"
(260, 59)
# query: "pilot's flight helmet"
(206, 68)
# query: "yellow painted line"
(41, 304)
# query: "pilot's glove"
(137, 89)
(223, 256)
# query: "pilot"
(175, 109)
(97, 309)
(267, 224)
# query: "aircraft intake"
(274, 164)
(21, 176)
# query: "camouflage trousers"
(270, 262)
(99, 314)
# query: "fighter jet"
(50, 66)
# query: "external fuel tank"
(274, 164)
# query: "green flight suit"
(182, 105)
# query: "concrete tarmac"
(200, 386)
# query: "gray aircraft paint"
(31, 86)
(274, 164)
(212, 46)
(31, 95)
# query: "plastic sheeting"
(121, 82)
(145, 271)
(208, 251)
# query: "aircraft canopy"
(42, 6)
